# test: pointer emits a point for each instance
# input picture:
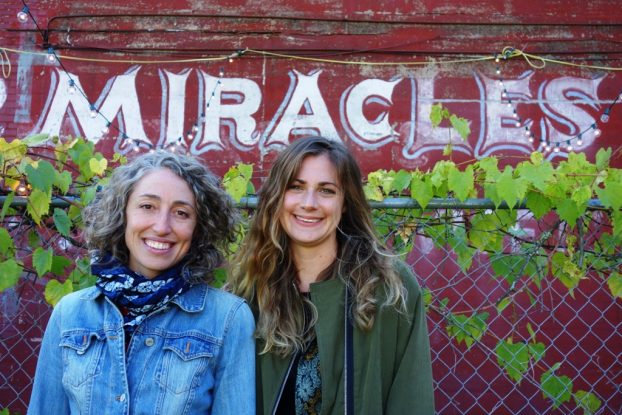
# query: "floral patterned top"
(309, 382)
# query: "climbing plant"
(40, 239)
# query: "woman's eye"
(328, 191)
(146, 206)
(183, 214)
(294, 187)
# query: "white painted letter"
(303, 94)
(369, 134)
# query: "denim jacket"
(198, 356)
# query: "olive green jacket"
(392, 368)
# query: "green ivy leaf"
(611, 195)
(59, 264)
(98, 165)
(490, 167)
(459, 243)
(436, 115)
(484, 233)
(62, 221)
(467, 329)
(7, 247)
(81, 276)
(42, 260)
(537, 351)
(566, 271)
(41, 177)
(614, 282)
(38, 205)
(569, 211)
(461, 125)
(220, 277)
(426, 294)
(10, 272)
(461, 183)
(63, 180)
(34, 241)
(36, 139)
(602, 158)
(587, 401)
(538, 173)
(511, 189)
(6, 205)
(13, 150)
(55, 290)
(401, 181)
(422, 191)
(556, 388)
(87, 195)
(513, 358)
(509, 267)
(503, 304)
(581, 195)
(538, 204)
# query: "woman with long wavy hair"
(340, 321)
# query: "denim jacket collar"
(192, 302)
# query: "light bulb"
(569, 148)
(530, 139)
(579, 142)
(597, 132)
(51, 56)
(106, 128)
(195, 128)
(556, 149)
(93, 113)
(518, 123)
(605, 117)
(22, 15)
(72, 87)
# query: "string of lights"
(24, 15)
(535, 61)
(544, 144)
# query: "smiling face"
(160, 220)
(313, 204)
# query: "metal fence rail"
(581, 331)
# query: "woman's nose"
(162, 223)
(309, 200)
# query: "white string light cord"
(538, 62)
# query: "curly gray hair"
(217, 217)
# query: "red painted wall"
(380, 110)
(376, 69)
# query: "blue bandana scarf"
(135, 295)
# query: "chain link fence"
(477, 312)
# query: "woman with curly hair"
(341, 325)
(152, 336)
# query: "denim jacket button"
(121, 397)
(149, 341)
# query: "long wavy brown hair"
(264, 272)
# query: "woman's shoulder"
(226, 302)
(78, 298)
(406, 274)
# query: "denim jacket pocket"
(81, 351)
(184, 361)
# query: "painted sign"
(252, 108)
